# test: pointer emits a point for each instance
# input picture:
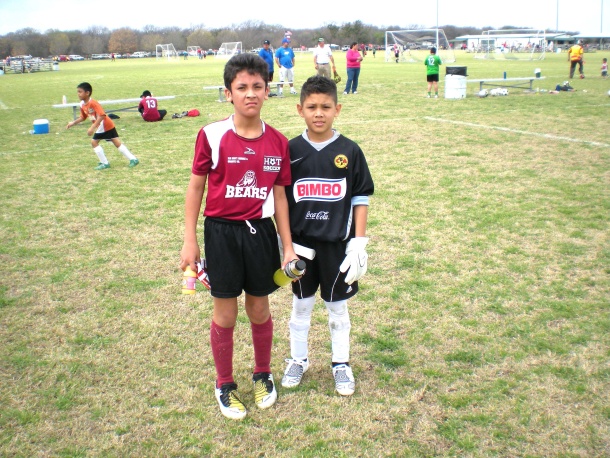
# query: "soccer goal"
(228, 50)
(167, 51)
(513, 44)
(192, 50)
(414, 45)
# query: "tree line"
(97, 39)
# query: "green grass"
(481, 328)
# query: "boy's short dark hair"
(319, 85)
(85, 87)
(252, 63)
(433, 50)
(146, 94)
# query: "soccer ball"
(483, 93)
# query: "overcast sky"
(573, 15)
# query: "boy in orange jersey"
(101, 129)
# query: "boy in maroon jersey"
(149, 108)
(246, 165)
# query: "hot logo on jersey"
(272, 164)
(246, 187)
(319, 189)
(341, 161)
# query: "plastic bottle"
(189, 280)
(64, 100)
(294, 269)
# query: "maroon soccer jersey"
(241, 171)
(150, 110)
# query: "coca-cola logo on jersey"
(323, 216)
(319, 189)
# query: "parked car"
(140, 54)
(76, 57)
(345, 48)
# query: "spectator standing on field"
(267, 54)
(604, 68)
(284, 57)
(575, 57)
(353, 69)
(433, 63)
(322, 58)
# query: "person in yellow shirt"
(575, 56)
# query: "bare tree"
(123, 40)
(95, 40)
(59, 43)
(202, 38)
(29, 41)
(150, 41)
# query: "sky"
(584, 16)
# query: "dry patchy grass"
(481, 327)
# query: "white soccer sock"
(340, 325)
(300, 322)
(125, 152)
(99, 151)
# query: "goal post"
(229, 49)
(192, 50)
(514, 44)
(166, 50)
(414, 45)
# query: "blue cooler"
(41, 126)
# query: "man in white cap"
(322, 58)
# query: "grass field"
(482, 327)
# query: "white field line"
(521, 132)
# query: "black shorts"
(239, 260)
(432, 78)
(270, 77)
(108, 135)
(323, 271)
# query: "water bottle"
(202, 273)
(189, 280)
(64, 100)
(294, 269)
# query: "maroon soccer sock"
(222, 350)
(262, 339)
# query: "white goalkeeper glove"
(355, 260)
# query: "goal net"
(228, 50)
(414, 45)
(192, 50)
(513, 44)
(167, 51)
